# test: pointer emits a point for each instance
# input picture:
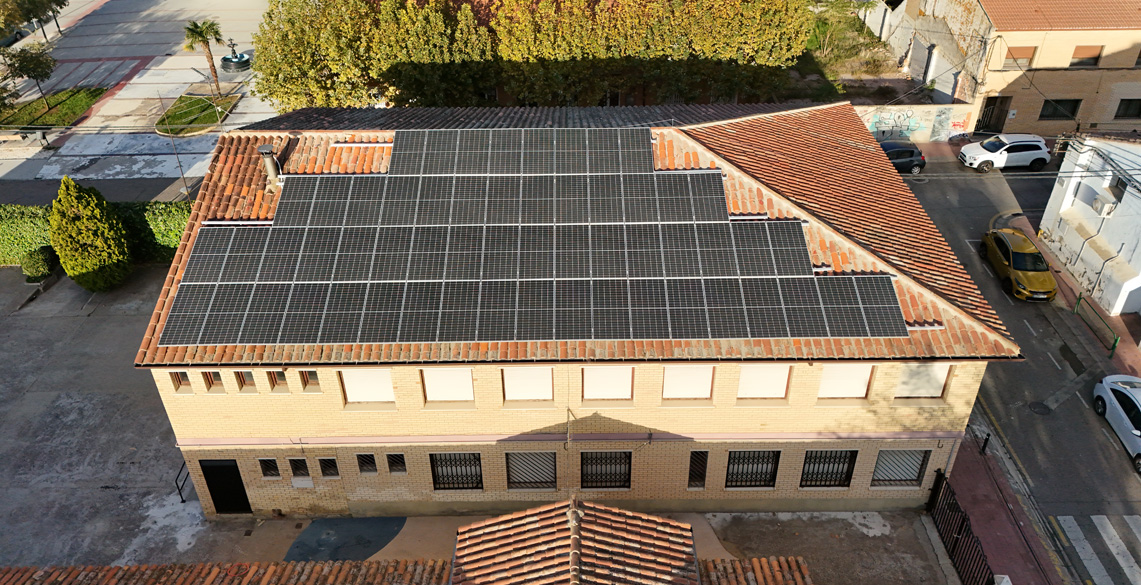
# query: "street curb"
(950, 575)
(44, 285)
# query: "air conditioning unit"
(1104, 208)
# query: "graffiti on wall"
(922, 123)
(895, 125)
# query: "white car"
(1118, 399)
(1006, 150)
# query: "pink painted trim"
(901, 435)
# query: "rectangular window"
(528, 383)
(1018, 57)
(922, 380)
(688, 382)
(447, 384)
(1086, 56)
(1117, 187)
(277, 381)
(245, 379)
(845, 381)
(456, 471)
(828, 468)
(309, 381)
(606, 469)
(698, 461)
(299, 467)
(180, 380)
(763, 381)
(213, 381)
(752, 469)
(368, 385)
(396, 463)
(1060, 109)
(1128, 109)
(607, 383)
(328, 467)
(269, 468)
(531, 471)
(900, 468)
(366, 463)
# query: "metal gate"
(954, 528)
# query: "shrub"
(89, 238)
(154, 228)
(38, 264)
(23, 228)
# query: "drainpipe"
(1093, 289)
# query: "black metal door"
(992, 118)
(224, 482)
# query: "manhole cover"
(1039, 408)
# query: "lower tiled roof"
(575, 542)
(762, 571)
(395, 572)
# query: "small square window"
(1018, 57)
(269, 468)
(245, 380)
(328, 467)
(1086, 56)
(1128, 109)
(181, 381)
(698, 460)
(299, 467)
(309, 381)
(1060, 110)
(1118, 185)
(277, 381)
(828, 468)
(213, 380)
(396, 463)
(900, 468)
(366, 463)
(752, 469)
(605, 469)
(456, 471)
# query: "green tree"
(33, 61)
(88, 237)
(199, 35)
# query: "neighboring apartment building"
(467, 310)
(1090, 223)
(1046, 67)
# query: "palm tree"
(200, 35)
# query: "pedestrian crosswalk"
(1108, 547)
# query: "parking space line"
(1093, 565)
(1082, 400)
(1118, 548)
(1106, 433)
(1032, 331)
(1051, 356)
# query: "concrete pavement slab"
(32, 192)
(166, 91)
(125, 166)
(18, 170)
(135, 144)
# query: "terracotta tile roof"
(856, 201)
(824, 161)
(575, 542)
(402, 572)
(1012, 15)
(762, 571)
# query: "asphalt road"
(1077, 474)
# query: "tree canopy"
(89, 237)
(33, 61)
(544, 52)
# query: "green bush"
(154, 228)
(39, 263)
(89, 238)
(23, 228)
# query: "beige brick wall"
(228, 416)
(658, 478)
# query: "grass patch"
(66, 107)
(191, 114)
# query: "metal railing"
(1097, 324)
(752, 469)
(828, 468)
(606, 469)
(180, 481)
(954, 528)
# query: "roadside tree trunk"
(213, 71)
(55, 17)
(43, 96)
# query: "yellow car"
(1019, 265)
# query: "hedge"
(154, 229)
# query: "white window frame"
(846, 380)
(367, 385)
(613, 389)
(523, 383)
(430, 377)
(687, 382)
(760, 381)
(941, 371)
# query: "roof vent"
(271, 165)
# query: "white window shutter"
(922, 380)
(607, 382)
(448, 384)
(688, 382)
(528, 383)
(368, 385)
(763, 381)
(845, 381)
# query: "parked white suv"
(1006, 150)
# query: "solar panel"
(499, 235)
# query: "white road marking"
(1115, 445)
(1007, 297)
(1032, 331)
(1118, 548)
(1134, 523)
(1082, 400)
(1051, 356)
(1094, 567)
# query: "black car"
(906, 157)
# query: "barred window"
(456, 471)
(531, 470)
(328, 467)
(396, 463)
(299, 467)
(698, 461)
(900, 468)
(606, 469)
(752, 469)
(366, 462)
(269, 468)
(828, 468)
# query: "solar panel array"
(454, 246)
